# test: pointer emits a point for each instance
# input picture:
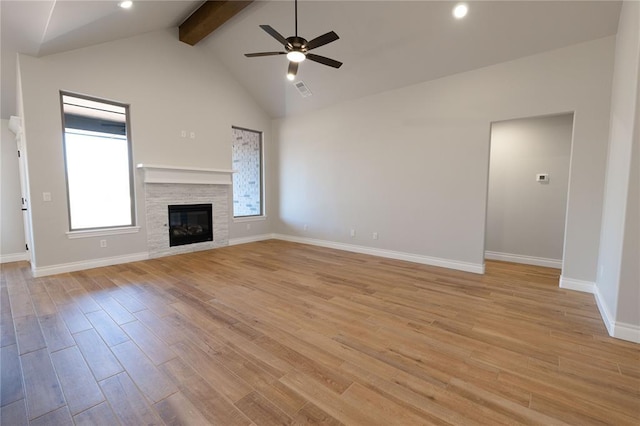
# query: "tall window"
(98, 163)
(247, 180)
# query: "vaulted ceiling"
(383, 44)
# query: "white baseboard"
(619, 330)
(577, 285)
(14, 257)
(624, 331)
(607, 318)
(476, 268)
(251, 239)
(88, 264)
(527, 260)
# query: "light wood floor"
(282, 333)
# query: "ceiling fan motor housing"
(298, 44)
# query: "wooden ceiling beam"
(208, 17)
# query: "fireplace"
(190, 223)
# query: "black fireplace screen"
(190, 223)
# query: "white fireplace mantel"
(154, 173)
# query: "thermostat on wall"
(542, 177)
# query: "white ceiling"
(383, 44)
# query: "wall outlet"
(374, 236)
(248, 226)
(352, 233)
(46, 196)
(103, 243)
(305, 227)
(192, 135)
(183, 133)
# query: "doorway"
(528, 187)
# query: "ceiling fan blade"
(324, 61)
(322, 40)
(253, 55)
(273, 33)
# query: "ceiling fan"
(297, 48)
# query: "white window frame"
(74, 233)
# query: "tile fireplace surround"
(165, 185)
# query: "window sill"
(102, 232)
(249, 219)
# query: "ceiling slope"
(391, 44)
(384, 44)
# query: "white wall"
(629, 296)
(617, 288)
(170, 86)
(526, 218)
(11, 228)
(412, 164)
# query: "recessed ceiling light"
(126, 4)
(460, 11)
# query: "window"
(247, 180)
(98, 163)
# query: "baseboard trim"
(251, 239)
(425, 260)
(14, 257)
(577, 285)
(88, 264)
(625, 331)
(607, 318)
(619, 330)
(527, 260)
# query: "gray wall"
(11, 226)
(525, 217)
(617, 282)
(412, 164)
(171, 87)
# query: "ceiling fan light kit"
(297, 48)
(292, 71)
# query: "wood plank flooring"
(277, 333)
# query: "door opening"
(528, 188)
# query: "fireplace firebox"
(190, 223)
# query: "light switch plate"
(542, 177)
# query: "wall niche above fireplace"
(190, 223)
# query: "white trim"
(609, 323)
(241, 219)
(619, 330)
(577, 285)
(251, 239)
(476, 268)
(102, 232)
(14, 257)
(625, 331)
(88, 264)
(181, 168)
(154, 173)
(527, 260)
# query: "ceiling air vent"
(303, 89)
